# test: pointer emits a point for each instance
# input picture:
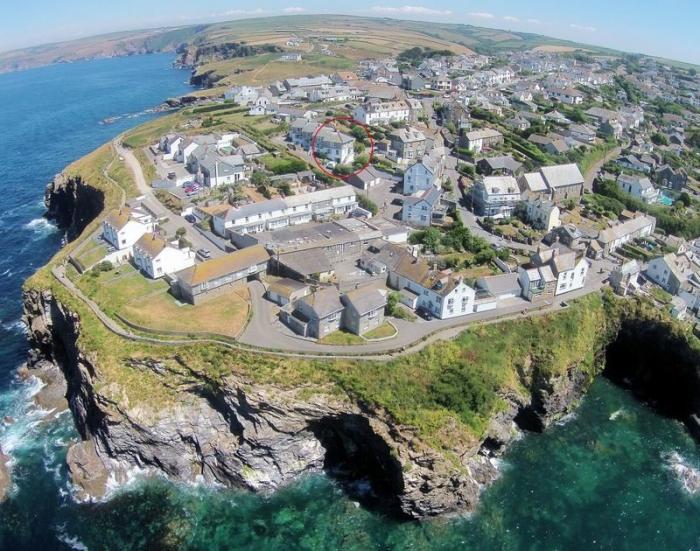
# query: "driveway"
(174, 221)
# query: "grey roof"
(365, 300)
(562, 175)
(324, 302)
(255, 209)
(502, 162)
(430, 196)
(631, 226)
(307, 262)
(533, 181)
(499, 284)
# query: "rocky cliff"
(261, 436)
(72, 203)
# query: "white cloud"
(510, 18)
(585, 28)
(534, 21)
(411, 10)
(481, 15)
(294, 9)
(243, 12)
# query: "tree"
(659, 139)
(259, 178)
(358, 132)
(180, 232)
(685, 199)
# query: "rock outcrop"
(72, 203)
(4, 476)
(261, 437)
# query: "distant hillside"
(356, 37)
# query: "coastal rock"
(262, 437)
(259, 436)
(72, 204)
(5, 481)
(87, 471)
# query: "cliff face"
(72, 203)
(261, 437)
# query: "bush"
(105, 266)
(367, 204)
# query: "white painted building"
(279, 213)
(382, 112)
(156, 258)
(423, 175)
(639, 187)
(444, 296)
(542, 214)
(124, 227)
(569, 270)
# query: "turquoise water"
(598, 481)
(665, 199)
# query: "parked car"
(190, 218)
(204, 254)
(424, 313)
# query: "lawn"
(121, 174)
(342, 338)
(382, 332)
(146, 302)
(91, 254)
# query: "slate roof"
(118, 218)
(562, 175)
(216, 268)
(324, 302)
(365, 300)
(151, 244)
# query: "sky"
(667, 29)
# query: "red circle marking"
(354, 122)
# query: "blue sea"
(599, 480)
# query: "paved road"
(174, 221)
(596, 168)
(266, 330)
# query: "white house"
(421, 287)
(169, 145)
(496, 196)
(124, 227)
(420, 209)
(375, 112)
(423, 175)
(671, 271)
(639, 187)
(477, 140)
(330, 143)
(569, 270)
(542, 214)
(570, 96)
(242, 95)
(154, 257)
(279, 213)
(335, 145)
(215, 171)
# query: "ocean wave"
(17, 326)
(684, 472)
(71, 541)
(41, 226)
